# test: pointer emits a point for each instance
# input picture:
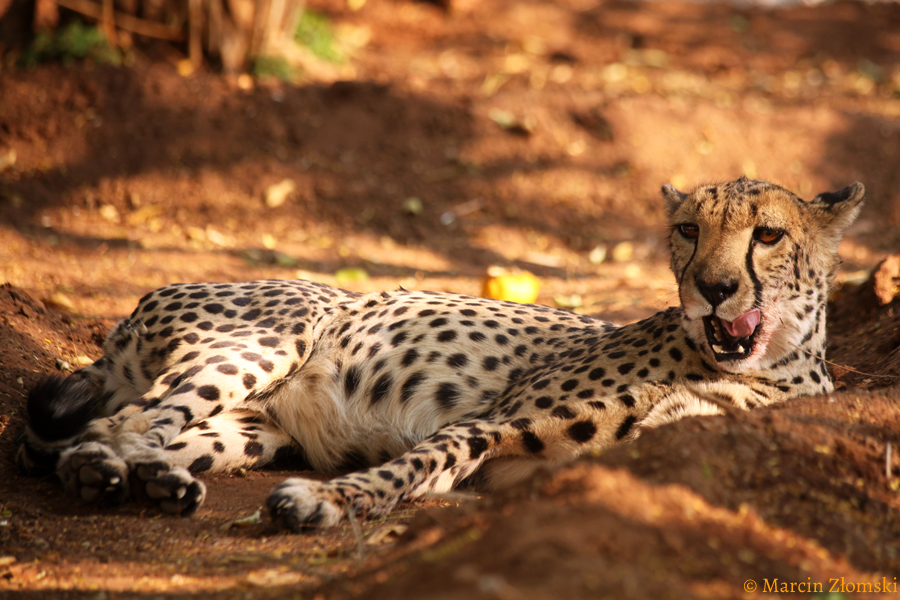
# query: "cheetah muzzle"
(397, 394)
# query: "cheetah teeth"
(720, 350)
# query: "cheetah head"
(754, 263)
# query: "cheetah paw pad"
(94, 473)
(173, 489)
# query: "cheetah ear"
(839, 209)
(673, 198)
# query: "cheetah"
(397, 394)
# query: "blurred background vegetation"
(267, 37)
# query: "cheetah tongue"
(743, 326)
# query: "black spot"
(562, 412)
(268, 342)
(450, 461)
(585, 394)
(476, 336)
(176, 446)
(399, 339)
(190, 356)
(490, 363)
(251, 315)
(627, 400)
(253, 448)
(625, 368)
(381, 388)
(249, 380)
(675, 353)
(625, 427)
(227, 369)
(218, 446)
(439, 322)
(203, 463)
(815, 376)
(208, 392)
(448, 335)
(532, 442)
(410, 386)
(351, 380)
(447, 395)
(410, 357)
(544, 402)
(582, 431)
(477, 446)
(568, 386)
(458, 361)
(597, 373)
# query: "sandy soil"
(128, 179)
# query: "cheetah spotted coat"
(396, 394)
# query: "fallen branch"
(125, 21)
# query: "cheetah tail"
(59, 410)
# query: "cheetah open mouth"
(732, 340)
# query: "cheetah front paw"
(173, 489)
(94, 473)
(302, 504)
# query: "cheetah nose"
(716, 292)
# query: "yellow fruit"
(520, 286)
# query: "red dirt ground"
(126, 179)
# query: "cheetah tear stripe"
(393, 395)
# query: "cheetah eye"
(689, 230)
(767, 235)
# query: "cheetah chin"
(732, 340)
